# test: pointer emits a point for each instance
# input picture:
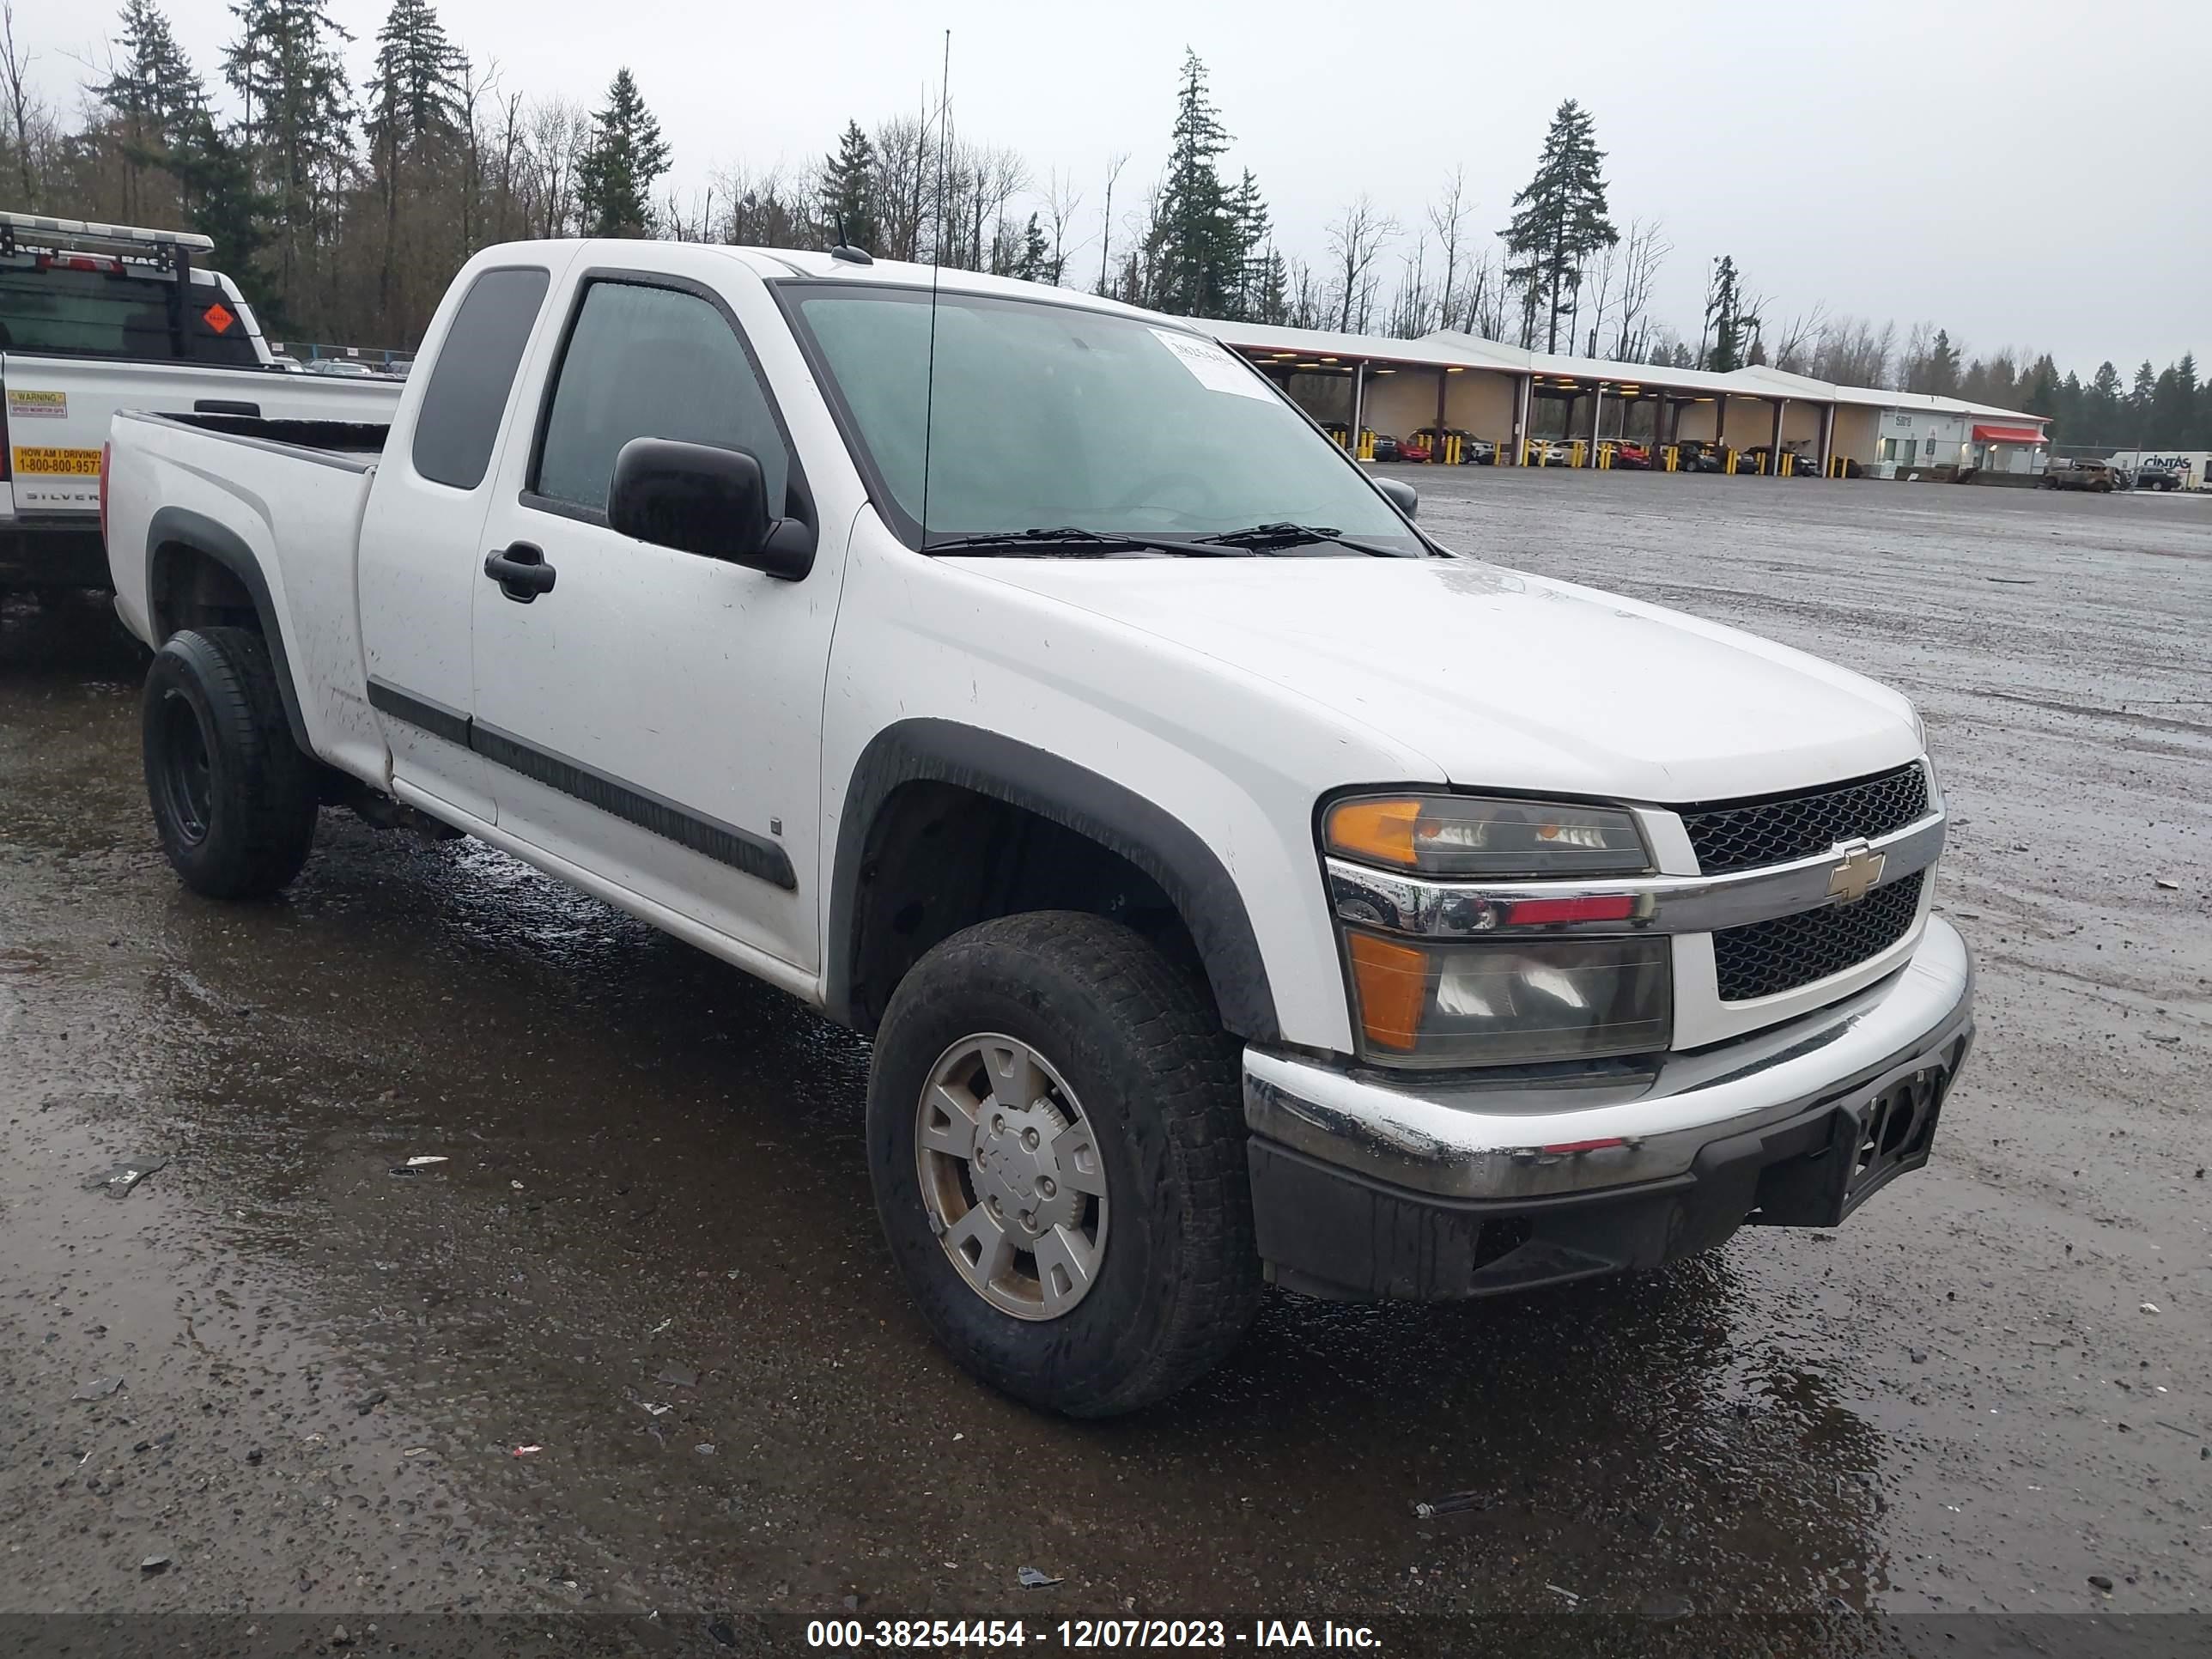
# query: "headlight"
(1470, 835)
(1508, 1002)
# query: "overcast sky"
(2029, 173)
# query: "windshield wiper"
(1265, 537)
(1076, 544)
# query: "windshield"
(118, 313)
(1052, 417)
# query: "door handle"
(520, 571)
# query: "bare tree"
(1482, 301)
(1642, 250)
(14, 63)
(1409, 308)
(1061, 200)
(904, 183)
(1448, 218)
(1795, 340)
(1106, 218)
(1356, 236)
(1852, 351)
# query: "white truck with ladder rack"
(99, 318)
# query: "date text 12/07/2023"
(1087, 1633)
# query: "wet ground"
(650, 1255)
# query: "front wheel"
(233, 799)
(1056, 1143)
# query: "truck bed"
(278, 502)
(349, 441)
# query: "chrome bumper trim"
(1664, 904)
(1487, 1141)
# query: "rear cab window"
(107, 308)
(457, 425)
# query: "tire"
(1137, 1053)
(233, 799)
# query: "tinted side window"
(458, 421)
(652, 362)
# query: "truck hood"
(1504, 680)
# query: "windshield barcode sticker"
(37, 405)
(1212, 366)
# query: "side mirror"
(1403, 495)
(702, 499)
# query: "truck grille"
(1767, 958)
(1742, 835)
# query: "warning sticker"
(37, 405)
(219, 316)
(74, 462)
(1212, 366)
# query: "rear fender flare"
(179, 529)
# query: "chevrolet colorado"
(1237, 886)
(98, 318)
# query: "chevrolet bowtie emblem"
(1853, 879)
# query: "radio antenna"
(936, 262)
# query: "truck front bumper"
(1372, 1185)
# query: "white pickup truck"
(1237, 886)
(95, 319)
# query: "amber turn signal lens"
(1394, 982)
(1380, 830)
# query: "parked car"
(96, 318)
(2064, 473)
(1386, 447)
(1550, 451)
(342, 367)
(1760, 459)
(2157, 478)
(1695, 455)
(1331, 946)
(1415, 448)
(1633, 456)
(1472, 451)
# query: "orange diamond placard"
(219, 316)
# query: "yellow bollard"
(1727, 467)
(1366, 444)
(1575, 453)
(1789, 463)
(1674, 456)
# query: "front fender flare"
(1143, 832)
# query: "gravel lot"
(1991, 1390)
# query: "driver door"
(651, 715)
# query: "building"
(1453, 381)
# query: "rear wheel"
(233, 799)
(1056, 1143)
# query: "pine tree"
(414, 122)
(215, 182)
(297, 133)
(153, 95)
(1195, 254)
(2101, 407)
(1253, 229)
(614, 181)
(2042, 388)
(1558, 222)
(1271, 299)
(1032, 262)
(847, 191)
(1727, 324)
